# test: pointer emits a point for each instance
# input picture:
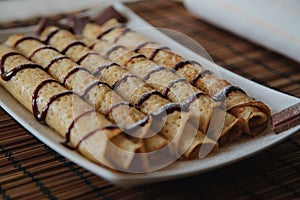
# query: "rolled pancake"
(131, 120)
(134, 90)
(254, 113)
(84, 130)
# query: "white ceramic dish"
(226, 155)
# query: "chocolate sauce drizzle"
(183, 63)
(100, 36)
(6, 76)
(134, 57)
(115, 48)
(155, 52)
(200, 75)
(123, 103)
(72, 125)
(221, 95)
(50, 35)
(72, 44)
(124, 78)
(5, 56)
(144, 98)
(138, 48)
(42, 116)
(170, 108)
(73, 71)
(171, 84)
(129, 129)
(110, 127)
(149, 73)
(123, 32)
(54, 61)
(193, 98)
(92, 46)
(26, 38)
(80, 60)
(94, 84)
(41, 48)
(101, 68)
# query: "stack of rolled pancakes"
(124, 109)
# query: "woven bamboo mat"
(30, 170)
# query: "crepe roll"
(84, 130)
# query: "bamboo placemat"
(30, 170)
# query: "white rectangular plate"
(224, 156)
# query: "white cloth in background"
(11, 10)
(274, 24)
(23, 9)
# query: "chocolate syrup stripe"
(123, 103)
(139, 124)
(6, 76)
(123, 32)
(42, 116)
(170, 108)
(183, 63)
(110, 127)
(111, 50)
(54, 61)
(156, 51)
(72, 44)
(41, 48)
(200, 75)
(101, 68)
(26, 38)
(149, 73)
(193, 98)
(50, 35)
(100, 36)
(94, 84)
(221, 96)
(80, 60)
(138, 48)
(72, 125)
(145, 96)
(124, 78)
(134, 126)
(134, 57)
(73, 71)
(5, 56)
(171, 84)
